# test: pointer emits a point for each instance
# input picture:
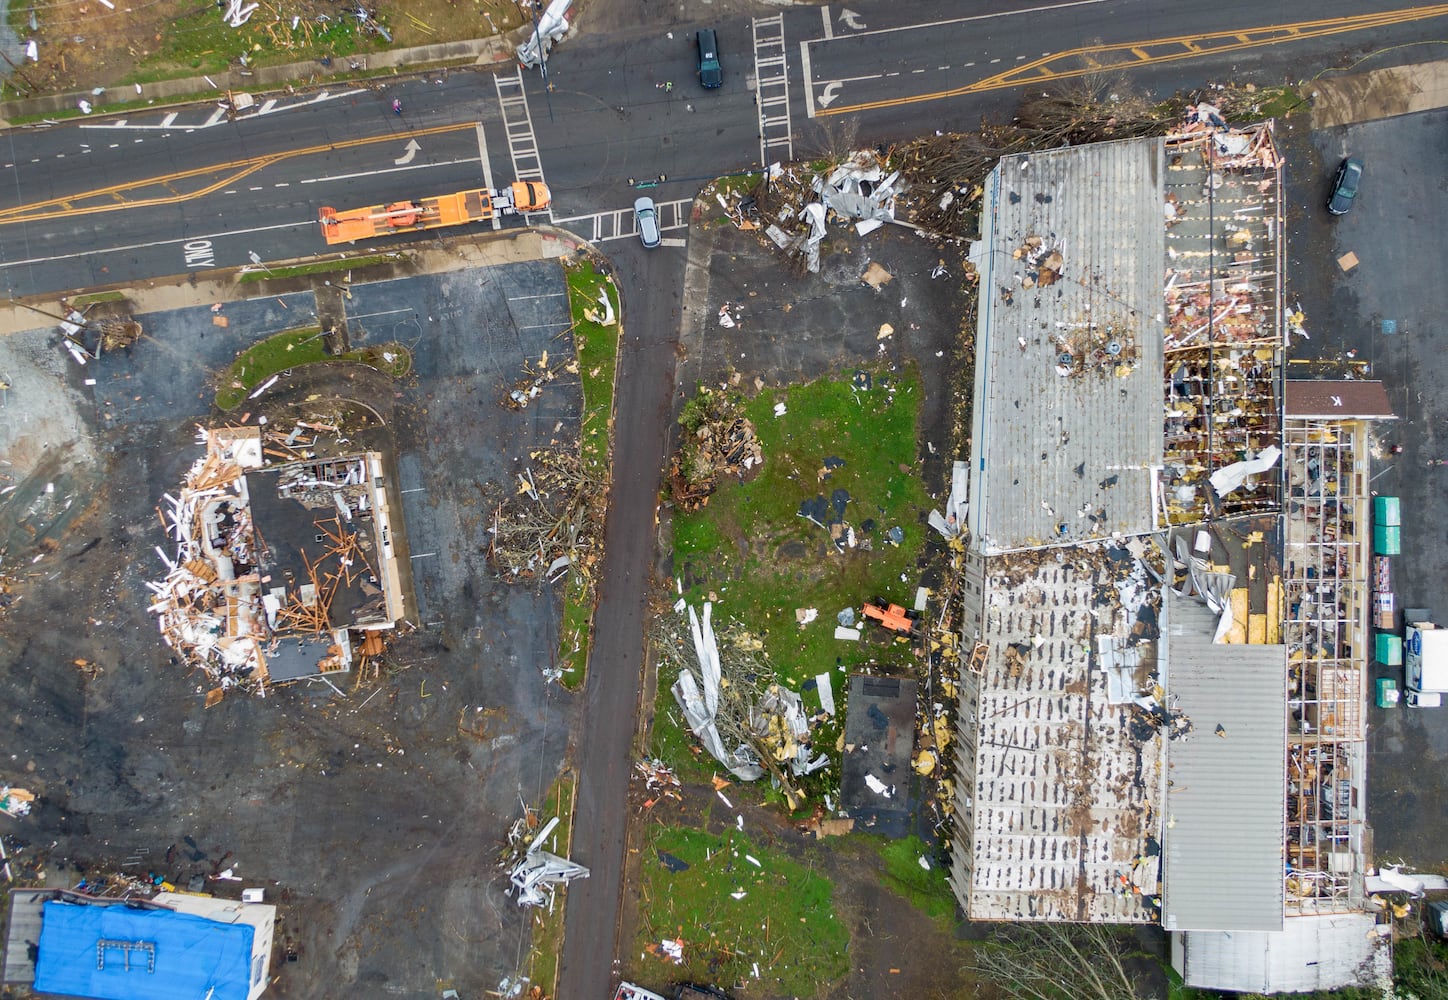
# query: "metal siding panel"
(1226, 797)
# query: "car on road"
(647, 219)
(1345, 186)
(711, 74)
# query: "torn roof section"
(1067, 430)
(1067, 755)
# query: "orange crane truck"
(456, 209)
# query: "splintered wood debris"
(220, 606)
(549, 525)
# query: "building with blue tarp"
(109, 950)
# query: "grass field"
(751, 549)
(782, 920)
(597, 349)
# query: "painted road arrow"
(851, 20)
(412, 148)
(831, 91)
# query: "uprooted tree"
(716, 440)
(550, 522)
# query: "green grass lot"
(761, 560)
(291, 348)
(784, 920)
(926, 889)
(597, 352)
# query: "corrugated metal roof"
(1063, 794)
(1317, 952)
(1226, 795)
(1045, 445)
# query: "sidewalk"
(469, 52)
(222, 285)
(1378, 93)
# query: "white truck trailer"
(1425, 663)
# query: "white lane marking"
(829, 28)
(309, 223)
(386, 170)
(487, 167)
(673, 241)
(219, 115)
(974, 17)
(809, 101)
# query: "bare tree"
(1040, 961)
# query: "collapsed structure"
(66, 943)
(279, 563)
(1158, 723)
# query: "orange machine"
(892, 616)
(455, 209)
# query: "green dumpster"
(1386, 511)
(1387, 692)
(1387, 539)
(1390, 649)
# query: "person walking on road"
(396, 106)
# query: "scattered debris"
(534, 872)
(718, 440)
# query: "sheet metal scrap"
(537, 872)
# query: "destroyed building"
(283, 570)
(1161, 718)
(64, 943)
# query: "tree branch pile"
(552, 520)
(946, 171)
(1040, 961)
(717, 440)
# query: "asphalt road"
(606, 120)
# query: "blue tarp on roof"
(84, 951)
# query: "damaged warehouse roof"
(1061, 758)
(1224, 845)
(1067, 425)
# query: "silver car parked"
(647, 219)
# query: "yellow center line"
(1184, 47)
(66, 206)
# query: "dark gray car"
(1345, 186)
(711, 73)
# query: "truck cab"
(1425, 664)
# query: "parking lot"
(374, 819)
(1387, 311)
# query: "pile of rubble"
(795, 206)
(718, 440)
(734, 705)
(534, 873)
(549, 524)
(535, 377)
